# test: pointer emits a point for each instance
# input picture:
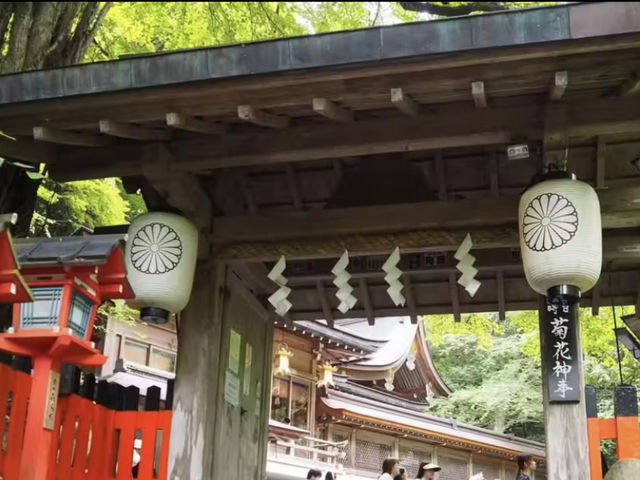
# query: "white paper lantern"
(161, 255)
(560, 235)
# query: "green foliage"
(493, 367)
(63, 208)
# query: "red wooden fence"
(91, 441)
(14, 394)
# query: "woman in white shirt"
(390, 468)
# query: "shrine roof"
(391, 416)
(68, 251)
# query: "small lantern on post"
(69, 278)
(284, 355)
(326, 371)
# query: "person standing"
(427, 471)
(390, 468)
(314, 474)
(526, 467)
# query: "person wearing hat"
(427, 471)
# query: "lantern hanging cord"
(615, 328)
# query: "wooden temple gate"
(362, 141)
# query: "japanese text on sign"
(561, 353)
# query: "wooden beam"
(494, 182)
(328, 109)
(53, 135)
(27, 151)
(262, 118)
(455, 298)
(294, 189)
(192, 124)
(438, 215)
(404, 102)
(483, 212)
(411, 301)
(366, 137)
(324, 302)
(181, 190)
(631, 86)
(559, 85)
(601, 160)
(441, 176)
(245, 187)
(555, 141)
(595, 300)
(366, 301)
(478, 93)
(501, 297)
(133, 132)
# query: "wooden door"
(245, 371)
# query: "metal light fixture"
(284, 355)
(411, 358)
(388, 380)
(327, 371)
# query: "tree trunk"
(20, 26)
(47, 34)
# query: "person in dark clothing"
(526, 467)
(314, 475)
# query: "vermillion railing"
(93, 439)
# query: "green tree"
(64, 208)
(498, 385)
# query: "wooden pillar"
(196, 385)
(565, 423)
(40, 420)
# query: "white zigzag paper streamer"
(341, 280)
(465, 266)
(393, 278)
(279, 298)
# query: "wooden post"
(40, 421)
(565, 423)
(196, 386)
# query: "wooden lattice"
(370, 455)
(453, 468)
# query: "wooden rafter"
(411, 301)
(441, 176)
(366, 301)
(404, 102)
(501, 297)
(601, 161)
(595, 300)
(133, 132)
(324, 302)
(367, 137)
(262, 118)
(294, 189)
(245, 188)
(455, 298)
(494, 181)
(332, 111)
(631, 86)
(193, 124)
(558, 85)
(64, 137)
(479, 95)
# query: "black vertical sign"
(561, 352)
